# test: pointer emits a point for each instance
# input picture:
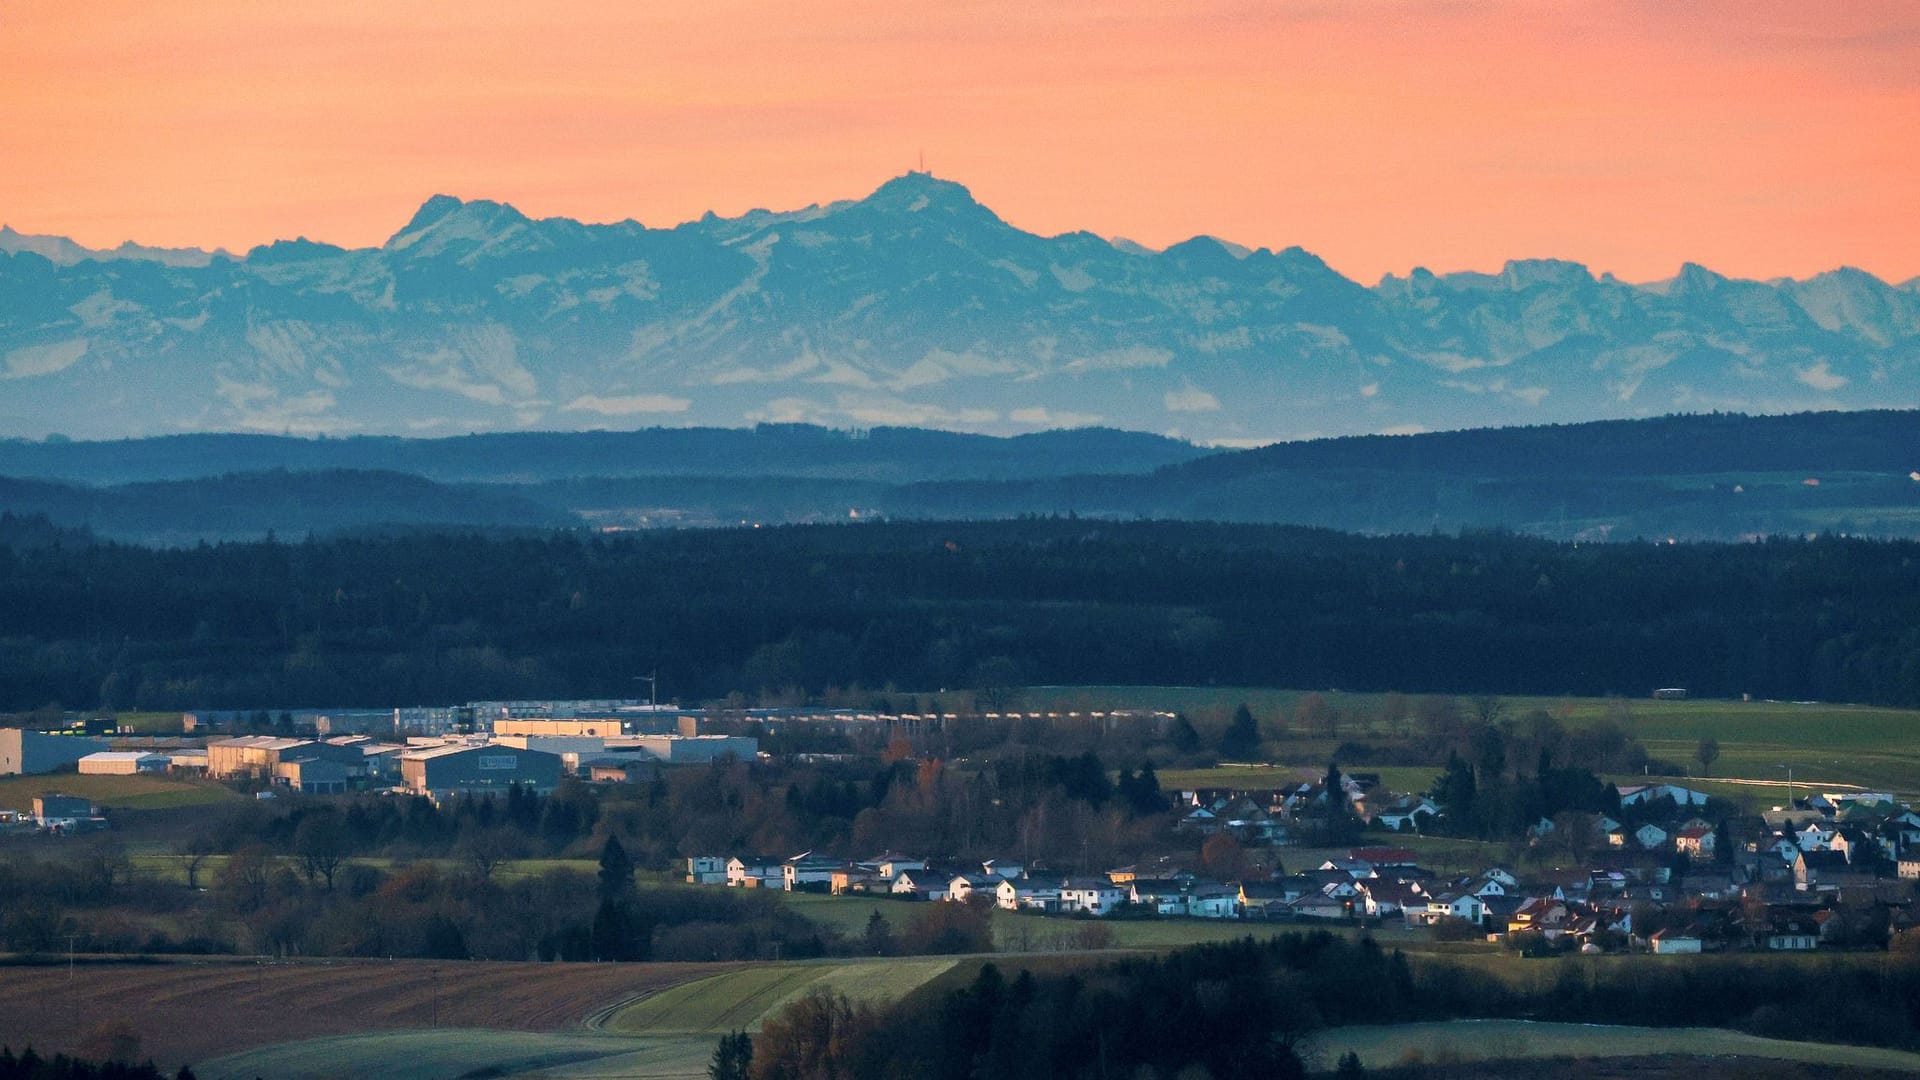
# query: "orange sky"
(1759, 137)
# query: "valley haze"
(915, 306)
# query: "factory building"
(696, 749)
(261, 755)
(602, 728)
(123, 763)
(50, 808)
(442, 771)
(27, 752)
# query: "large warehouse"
(261, 755)
(31, 752)
(124, 763)
(441, 771)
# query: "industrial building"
(696, 749)
(261, 755)
(27, 752)
(312, 776)
(124, 763)
(442, 771)
(51, 807)
(601, 728)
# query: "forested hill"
(1707, 477)
(438, 619)
(889, 454)
(1884, 440)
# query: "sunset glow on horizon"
(1761, 139)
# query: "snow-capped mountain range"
(914, 306)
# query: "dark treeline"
(1247, 1008)
(31, 1066)
(437, 619)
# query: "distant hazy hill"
(895, 455)
(1718, 477)
(1694, 477)
(915, 306)
(291, 504)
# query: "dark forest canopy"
(425, 619)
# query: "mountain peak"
(922, 192)
(435, 208)
(452, 219)
(1523, 273)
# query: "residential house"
(1320, 906)
(928, 884)
(1383, 899)
(1027, 894)
(1814, 836)
(1788, 931)
(1494, 882)
(807, 869)
(963, 886)
(1091, 896)
(852, 877)
(1410, 814)
(1650, 837)
(1166, 896)
(706, 870)
(756, 872)
(1697, 842)
(1199, 820)
(1537, 913)
(1457, 905)
(1672, 942)
(1263, 899)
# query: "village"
(1833, 871)
(1672, 870)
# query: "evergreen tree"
(732, 1058)
(1185, 739)
(879, 935)
(616, 871)
(1455, 790)
(617, 933)
(1242, 738)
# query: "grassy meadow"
(1842, 746)
(1459, 1041)
(115, 792)
(742, 1000)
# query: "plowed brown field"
(186, 1013)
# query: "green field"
(1446, 1042)
(741, 1000)
(1854, 745)
(115, 792)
